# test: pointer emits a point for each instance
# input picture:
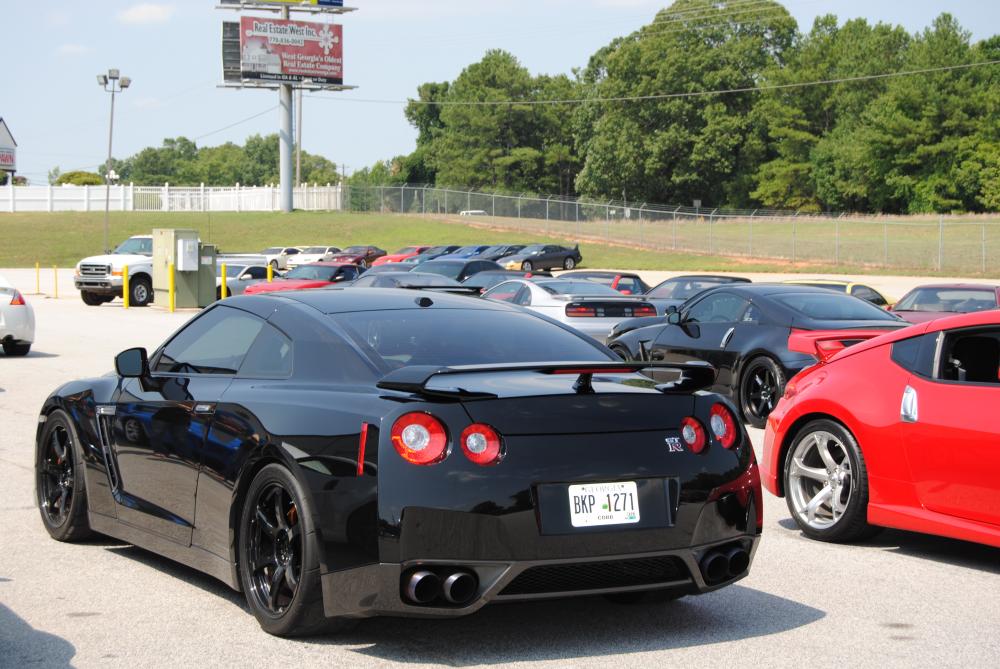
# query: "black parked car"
(544, 256)
(430, 254)
(338, 454)
(459, 270)
(742, 330)
(495, 253)
(674, 292)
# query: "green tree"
(80, 178)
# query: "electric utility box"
(194, 268)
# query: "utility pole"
(285, 109)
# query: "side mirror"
(672, 309)
(132, 364)
(674, 318)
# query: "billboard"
(286, 51)
(8, 149)
(314, 3)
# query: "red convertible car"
(897, 431)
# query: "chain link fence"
(961, 245)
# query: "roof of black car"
(347, 300)
(770, 288)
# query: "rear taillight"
(482, 445)
(723, 425)
(693, 434)
(643, 310)
(17, 300)
(578, 311)
(420, 438)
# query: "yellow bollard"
(125, 290)
(38, 278)
(55, 276)
(223, 289)
(172, 289)
(270, 272)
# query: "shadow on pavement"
(22, 645)
(574, 628)
(927, 547)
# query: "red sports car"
(313, 275)
(925, 303)
(362, 256)
(400, 255)
(898, 431)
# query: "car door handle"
(726, 337)
(908, 410)
(204, 409)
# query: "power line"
(233, 125)
(668, 96)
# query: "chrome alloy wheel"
(820, 480)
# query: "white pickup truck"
(99, 278)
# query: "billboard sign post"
(286, 51)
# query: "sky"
(171, 49)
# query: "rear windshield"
(315, 249)
(356, 249)
(583, 287)
(829, 306)
(403, 338)
(406, 250)
(958, 300)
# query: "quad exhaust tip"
(424, 587)
(724, 564)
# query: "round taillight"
(693, 435)
(420, 438)
(723, 425)
(481, 444)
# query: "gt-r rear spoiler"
(824, 344)
(691, 376)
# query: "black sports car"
(495, 253)
(543, 256)
(742, 330)
(458, 269)
(675, 291)
(346, 453)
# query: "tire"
(274, 265)
(622, 353)
(140, 292)
(762, 384)
(60, 487)
(92, 299)
(284, 590)
(526, 266)
(807, 473)
(16, 349)
(569, 263)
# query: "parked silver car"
(592, 308)
(238, 277)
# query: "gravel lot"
(902, 599)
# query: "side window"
(751, 315)
(866, 293)
(505, 292)
(214, 343)
(257, 273)
(291, 252)
(971, 356)
(718, 308)
(916, 354)
(270, 356)
(523, 297)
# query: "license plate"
(593, 504)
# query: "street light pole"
(113, 83)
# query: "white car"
(99, 278)
(590, 307)
(311, 254)
(17, 321)
(277, 256)
(238, 277)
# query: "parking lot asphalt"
(900, 599)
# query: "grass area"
(64, 238)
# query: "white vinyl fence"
(165, 198)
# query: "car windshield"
(313, 273)
(531, 250)
(829, 306)
(467, 249)
(406, 250)
(682, 289)
(355, 249)
(582, 287)
(143, 247)
(434, 250)
(443, 267)
(443, 337)
(957, 300)
(492, 249)
(232, 271)
(273, 251)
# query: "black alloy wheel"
(279, 558)
(761, 386)
(59, 483)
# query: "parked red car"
(400, 255)
(313, 275)
(925, 303)
(897, 431)
(362, 256)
